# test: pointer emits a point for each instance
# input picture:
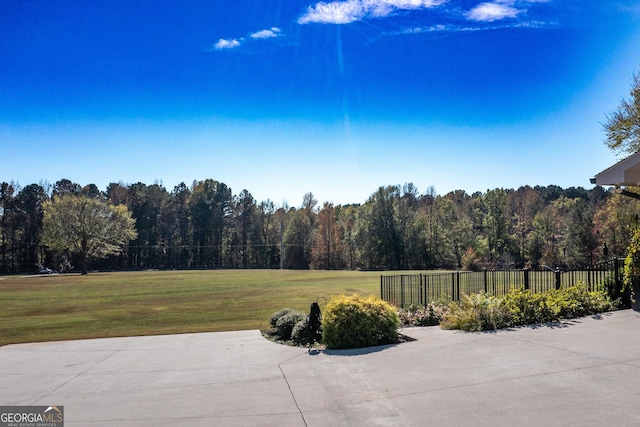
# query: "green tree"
(347, 219)
(29, 214)
(298, 239)
(90, 227)
(581, 241)
(268, 229)
(64, 187)
(463, 238)
(622, 127)
(8, 226)
(379, 236)
(147, 204)
(210, 206)
(409, 231)
(243, 235)
(179, 225)
(455, 233)
(496, 226)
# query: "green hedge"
(354, 321)
(479, 312)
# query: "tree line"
(205, 225)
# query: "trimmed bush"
(354, 321)
(286, 323)
(301, 334)
(278, 314)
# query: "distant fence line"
(402, 290)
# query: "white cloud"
(440, 28)
(333, 13)
(226, 44)
(344, 12)
(223, 44)
(266, 34)
(489, 12)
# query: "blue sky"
(283, 97)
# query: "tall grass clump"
(477, 312)
(354, 321)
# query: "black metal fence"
(403, 290)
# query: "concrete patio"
(584, 372)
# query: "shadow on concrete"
(363, 350)
(551, 325)
(356, 351)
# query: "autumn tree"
(326, 252)
(523, 205)
(543, 240)
(89, 227)
(614, 221)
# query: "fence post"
(558, 279)
(525, 272)
(458, 285)
(401, 291)
(423, 297)
(382, 290)
(486, 284)
(453, 286)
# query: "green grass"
(62, 307)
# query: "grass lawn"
(70, 306)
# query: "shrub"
(302, 334)
(526, 307)
(286, 323)
(430, 315)
(568, 303)
(354, 321)
(476, 312)
(278, 314)
(632, 263)
(521, 307)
